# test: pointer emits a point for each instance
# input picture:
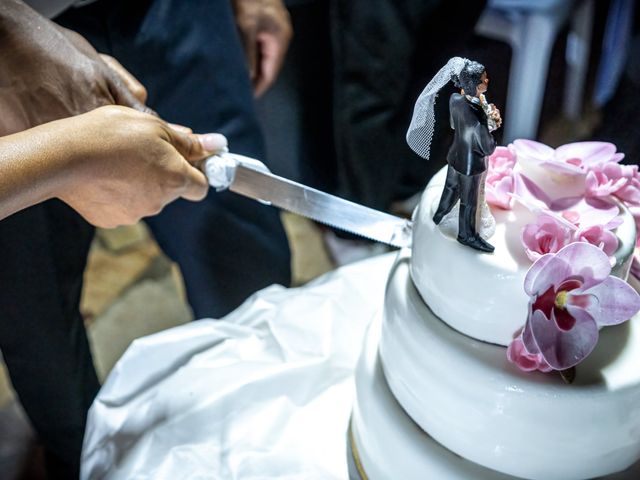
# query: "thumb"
(196, 184)
(194, 147)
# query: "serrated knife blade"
(321, 207)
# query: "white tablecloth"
(264, 393)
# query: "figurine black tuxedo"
(472, 143)
(472, 120)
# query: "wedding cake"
(518, 363)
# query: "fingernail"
(213, 142)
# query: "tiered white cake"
(437, 397)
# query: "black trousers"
(189, 57)
(42, 337)
(466, 189)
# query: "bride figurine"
(473, 119)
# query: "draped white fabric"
(264, 393)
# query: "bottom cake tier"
(386, 444)
(471, 400)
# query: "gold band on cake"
(356, 455)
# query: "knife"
(251, 178)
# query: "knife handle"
(220, 169)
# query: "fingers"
(271, 42)
(265, 29)
(272, 52)
(248, 35)
(122, 95)
(180, 128)
(196, 186)
(194, 147)
(130, 82)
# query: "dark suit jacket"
(472, 141)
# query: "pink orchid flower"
(501, 161)
(528, 362)
(599, 236)
(571, 159)
(546, 235)
(605, 179)
(572, 295)
(500, 183)
(589, 212)
(630, 191)
(575, 212)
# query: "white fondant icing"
(391, 446)
(481, 294)
(478, 294)
(469, 398)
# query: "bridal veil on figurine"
(473, 120)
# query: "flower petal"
(596, 211)
(588, 152)
(517, 354)
(615, 301)
(565, 203)
(498, 193)
(528, 341)
(592, 185)
(629, 193)
(532, 150)
(600, 237)
(564, 349)
(618, 157)
(564, 319)
(541, 275)
(533, 196)
(584, 260)
(544, 236)
(534, 270)
(578, 259)
(563, 168)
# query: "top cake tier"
(479, 294)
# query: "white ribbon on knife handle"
(220, 169)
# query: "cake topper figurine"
(473, 120)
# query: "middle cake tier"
(468, 397)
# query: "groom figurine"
(471, 118)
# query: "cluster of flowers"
(589, 217)
(572, 294)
